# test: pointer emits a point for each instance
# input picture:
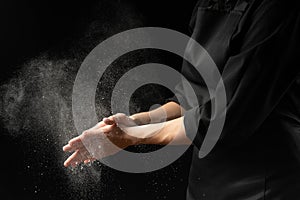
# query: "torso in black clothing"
(254, 46)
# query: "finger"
(77, 157)
(89, 160)
(99, 125)
(108, 128)
(67, 147)
(76, 142)
(72, 145)
(70, 148)
(84, 157)
(109, 121)
(70, 160)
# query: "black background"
(30, 27)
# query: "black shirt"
(256, 51)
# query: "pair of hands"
(95, 143)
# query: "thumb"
(109, 120)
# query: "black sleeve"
(256, 77)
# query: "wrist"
(159, 135)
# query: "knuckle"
(85, 133)
(120, 115)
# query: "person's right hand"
(121, 120)
(129, 126)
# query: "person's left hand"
(96, 143)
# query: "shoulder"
(273, 8)
(265, 18)
(270, 14)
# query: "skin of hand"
(169, 132)
(93, 143)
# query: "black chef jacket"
(255, 45)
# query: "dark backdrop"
(31, 27)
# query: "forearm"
(172, 132)
(166, 112)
